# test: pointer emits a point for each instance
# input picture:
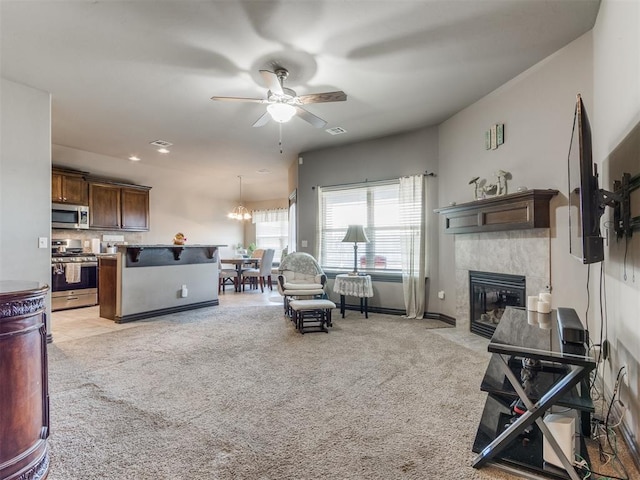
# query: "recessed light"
(263, 171)
(134, 158)
(163, 150)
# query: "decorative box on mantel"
(522, 210)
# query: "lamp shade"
(281, 112)
(355, 233)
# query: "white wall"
(616, 141)
(25, 183)
(537, 109)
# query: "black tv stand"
(527, 375)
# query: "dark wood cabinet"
(104, 206)
(135, 209)
(69, 188)
(24, 396)
(107, 279)
(114, 206)
(528, 209)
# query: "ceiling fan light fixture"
(281, 112)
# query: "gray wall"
(537, 109)
(379, 159)
(25, 183)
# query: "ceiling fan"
(283, 103)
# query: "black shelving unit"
(548, 377)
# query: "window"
(272, 230)
(376, 206)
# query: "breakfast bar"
(143, 281)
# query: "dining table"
(252, 262)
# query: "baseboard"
(164, 311)
(442, 317)
(399, 312)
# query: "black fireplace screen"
(489, 294)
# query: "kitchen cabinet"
(69, 188)
(115, 206)
(135, 209)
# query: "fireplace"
(489, 294)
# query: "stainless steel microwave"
(69, 216)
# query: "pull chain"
(280, 140)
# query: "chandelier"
(240, 212)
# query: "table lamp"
(355, 234)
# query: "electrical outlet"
(441, 294)
(43, 242)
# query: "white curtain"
(275, 215)
(413, 244)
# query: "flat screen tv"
(585, 200)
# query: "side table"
(355, 286)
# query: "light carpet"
(237, 393)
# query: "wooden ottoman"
(312, 315)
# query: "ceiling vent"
(161, 143)
(336, 130)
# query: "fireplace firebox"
(489, 294)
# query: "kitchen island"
(143, 281)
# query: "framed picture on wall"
(500, 134)
(494, 140)
(487, 140)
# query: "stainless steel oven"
(74, 276)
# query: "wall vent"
(161, 143)
(336, 130)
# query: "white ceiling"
(125, 73)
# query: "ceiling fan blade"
(239, 99)
(338, 96)
(262, 120)
(272, 82)
(310, 117)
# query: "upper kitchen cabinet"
(69, 187)
(135, 209)
(116, 206)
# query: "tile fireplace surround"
(516, 252)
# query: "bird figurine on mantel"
(476, 188)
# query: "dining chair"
(263, 273)
(226, 276)
(275, 270)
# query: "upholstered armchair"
(300, 275)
